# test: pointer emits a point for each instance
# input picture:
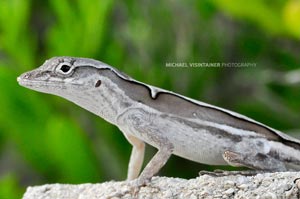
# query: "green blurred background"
(46, 139)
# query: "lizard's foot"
(136, 185)
(221, 173)
(132, 191)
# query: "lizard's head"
(71, 77)
(89, 83)
(61, 75)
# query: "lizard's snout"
(28, 77)
(24, 77)
(35, 74)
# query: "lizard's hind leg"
(256, 161)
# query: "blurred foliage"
(45, 139)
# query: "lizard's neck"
(106, 101)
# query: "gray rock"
(267, 185)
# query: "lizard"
(172, 123)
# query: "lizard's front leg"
(136, 157)
(138, 125)
(155, 164)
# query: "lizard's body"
(172, 123)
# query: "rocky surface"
(267, 185)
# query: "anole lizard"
(172, 123)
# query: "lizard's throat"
(101, 102)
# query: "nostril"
(26, 76)
(23, 76)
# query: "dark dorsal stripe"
(173, 104)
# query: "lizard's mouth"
(23, 80)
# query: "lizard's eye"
(64, 68)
